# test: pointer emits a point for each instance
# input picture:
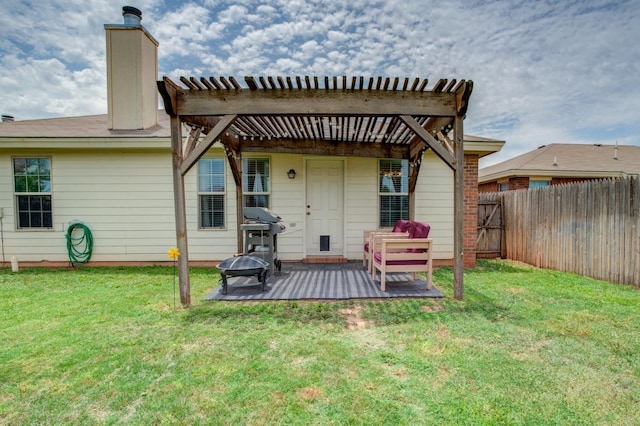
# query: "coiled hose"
(79, 243)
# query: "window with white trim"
(256, 182)
(393, 191)
(32, 190)
(538, 183)
(211, 193)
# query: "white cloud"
(543, 72)
(233, 15)
(68, 92)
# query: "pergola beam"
(169, 92)
(315, 102)
(204, 145)
(327, 147)
(430, 141)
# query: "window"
(503, 186)
(256, 182)
(32, 188)
(538, 183)
(393, 190)
(211, 192)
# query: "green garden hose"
(79, 243)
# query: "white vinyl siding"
(361, 202)
(126, 199)
(434, 203)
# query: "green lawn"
(526, 346)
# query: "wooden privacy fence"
(588, 228)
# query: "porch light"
(291, 173)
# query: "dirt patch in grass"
(309, 394)
(431, 308)
(354, 318)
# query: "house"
(114, 174)
(560, 163)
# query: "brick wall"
(488, 186)
(519, 182)
(470, 209)
(559, 181)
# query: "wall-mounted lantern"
(291, 173)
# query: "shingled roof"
(568, 160)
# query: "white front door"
(325, 208)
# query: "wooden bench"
(400, 230)
(411, 254)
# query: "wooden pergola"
(357, 117)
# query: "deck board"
(339, 281)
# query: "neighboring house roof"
(568, 160)
(90, 131)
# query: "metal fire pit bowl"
(243, 266)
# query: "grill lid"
(260, 214)
(242, 263)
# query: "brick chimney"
(132, 72)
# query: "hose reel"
(79, 243)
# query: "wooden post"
(180, 211)
(239, 206)
(234, 157)
(412, 186)
(458, 211)
(412, 204)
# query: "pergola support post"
(180, 211)
(458, 211)
(236, 164)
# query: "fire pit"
(243, 266)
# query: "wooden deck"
(317, 281)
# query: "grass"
(526, 346)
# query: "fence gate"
(489, 243)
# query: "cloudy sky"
(556, 71)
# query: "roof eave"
(552, 173)
(483, 148)
(129, 142)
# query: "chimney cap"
(131, 10)
(132, 16)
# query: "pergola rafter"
(358, 117)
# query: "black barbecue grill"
(261, 229)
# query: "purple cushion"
(418, 230)
(402, 226)
(378, 257)
(366, 247)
